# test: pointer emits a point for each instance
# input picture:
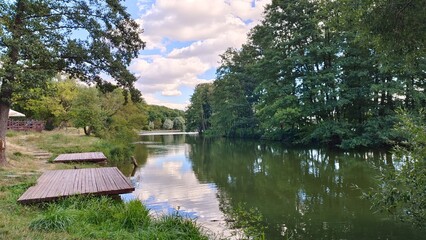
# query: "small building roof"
(13, 113)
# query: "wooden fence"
(25, 125)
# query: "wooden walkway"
(81, 157)
(61, 183)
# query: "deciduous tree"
(87, 39)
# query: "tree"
(168, 124)
(179, 123)
(396, 26)
(86, 39)
(86, 111)
(234, 94)
(200, 110)
(54, 105)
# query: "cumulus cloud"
(189, 36)
(167, 75)
(152, 99)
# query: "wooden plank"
(100, 181)
(81, 157)
(120, 179)
(49, 184)
(56, 189)
(107, 180)
(61, 183)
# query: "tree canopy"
(322, 72)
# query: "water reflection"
(166, 183)
(303, 194)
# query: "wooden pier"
(62, 183)
(81, 157)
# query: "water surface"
(301, 193)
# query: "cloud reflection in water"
(166, 183)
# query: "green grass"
(60, 142)
(105, 218)
(54, 218)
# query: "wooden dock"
(81, 157)
(61, 183)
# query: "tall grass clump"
(54, 218)
(91, 209)
(176, 226)
(134, 216)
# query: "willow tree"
(90, 40)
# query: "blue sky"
(184, 40)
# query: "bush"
(401, 190)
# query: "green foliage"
(86, 111)
(157, 115)
(401, 188)
(199, 112)
(117, 150)
(52, 103)
(396, 26)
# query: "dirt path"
(25, 158)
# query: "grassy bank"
(77, 217)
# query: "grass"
(77, 217)
(105, 218)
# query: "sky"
(184, 39)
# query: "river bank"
(76, 218)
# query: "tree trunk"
(4, 115)
(87, 130)
(6, 89)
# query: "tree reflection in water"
(301, 193)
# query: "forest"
(328, 73)
(67, 103)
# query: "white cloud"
(151, 99)
(209, 50)
(172, 92)
(209, 27)
(168, 74)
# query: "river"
(301, 193)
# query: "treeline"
(319, 72)
(107, 114)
